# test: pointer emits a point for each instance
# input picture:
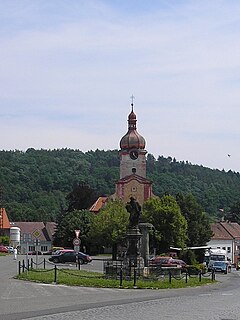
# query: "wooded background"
(35, 183)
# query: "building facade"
(133, 181)
(32, 231)
(226, 235)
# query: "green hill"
(36, 182)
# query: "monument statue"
(134, 208)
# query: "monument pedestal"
(133, 259)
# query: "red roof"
(225, 230)
(4, 222)
(98, 204)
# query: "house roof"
(225, 230)
(98, 204)
(51, 229)
(4, 222)
(34, 228)
(233, 228)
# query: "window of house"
(26, 237)
(31, 248)
(44, 248)
(224, 248)
(229, 249)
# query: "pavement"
(35, 301)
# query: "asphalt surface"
(35, 301)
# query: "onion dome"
(132, 139)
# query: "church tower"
(133, 181)
(132, 153)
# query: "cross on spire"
(132, 98)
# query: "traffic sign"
(77, 232)
(76, 249)
(76, 242)
(36, 242)
(37, 233)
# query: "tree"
(75, 220)
(36, 182)
(199, 229)
(5, 240)
(234, 213)
(170, 225)
(110, 225)
(81, 197)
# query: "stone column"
(144, 245)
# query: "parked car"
(53, 250)
(70, 256)
(49, 253)
(10, 249)
(225, 265)
(220, 266)
(3, 249)
(35, 252)
(179, 262)
(167, 262)
(160, 261)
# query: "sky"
(68, 69)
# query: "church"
(133, 180)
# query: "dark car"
(35, 253)
(3, 249)
(70, 256)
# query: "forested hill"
(36, 182)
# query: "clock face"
(133, 154)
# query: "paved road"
(26, 300)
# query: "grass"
(94, 279)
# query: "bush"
(189, 257)
(4, 240)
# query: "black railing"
(115, 269)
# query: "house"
(4, 223)
(35, 236)
(226, 235)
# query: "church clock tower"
(132, 153)
(133, 181)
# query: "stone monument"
(133, 234)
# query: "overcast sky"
(69, 67)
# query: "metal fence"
(115, 269)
